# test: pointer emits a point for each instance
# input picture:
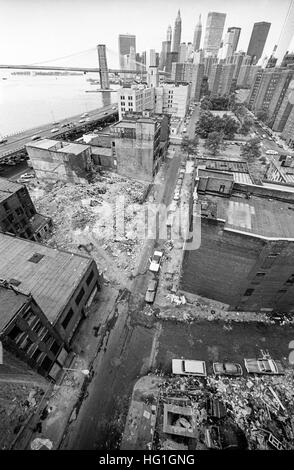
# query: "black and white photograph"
(146, 229)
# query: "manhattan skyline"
(69, 33)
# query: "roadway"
(18, 141)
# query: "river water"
(30, 101)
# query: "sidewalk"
(62, 401)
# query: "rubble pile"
(86, 214)
(17, 403)
(240, 412)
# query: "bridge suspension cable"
(92, 49)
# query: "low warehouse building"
(63, 284)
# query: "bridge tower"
(104, 74)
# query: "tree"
(190, 145)
(230, 126)
(251, 150)
(214, 142)
(246, 125)
(205, 124)
(262, 115)
(206, 103)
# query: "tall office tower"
(227, 46)
(183, 52)
(286, 76)
(220, 79)
(132, 59)
(257, 41)
(197, 35)
(236, 35)
(169, 33)
(190, 51)
(166, 47)
(170, 58)
(125, 42)
(286, 34)
(151, 58)
(177, 33)
(213, 33)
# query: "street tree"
(251, 150)
(229, 126)
(190, 145)
(246, 125)
(214, 142)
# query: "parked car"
(54, 130)
(35, 137)
(113, 107)
(227, 368)
(272, 152)
(189, 367)
(27, 176)
(2, 141)
(151, 291)
(64, 125)
(82, 120)
(155, 262)
(263, 366)
(105, 113)
(84, 115)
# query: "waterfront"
(30, 101)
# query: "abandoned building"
(246, 255)
(63, 284)
(31, 344)
(54, 160)
(18, 214)
(101, 147)
(139, 145)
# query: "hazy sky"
(35, 31)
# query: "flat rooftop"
(44, 144)
(51, 276)
(73, 148)
(10, 303)
(238, 169)
(7, 188)
(258, 216)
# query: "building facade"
(137, 146)
(286, 35)
(27, 335)
(136, 98)
(125, 42)
(257, 40)
(177, 33)
(172, 99)
(197, 35)
(213, 33)
(18, 214)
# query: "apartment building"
(246, 255)
(136, 98)
(18, 214)
(172, 99)
(189, 73)
(220, 79)
(267, 87)
(55, 160)
(137, 146)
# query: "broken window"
(13, 334)
(55, 348)
(67, 319)
(46, 364)
(80, 296)
(90, 278)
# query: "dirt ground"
(89, 219)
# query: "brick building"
(54, 160)
(139, 144)
(18, 214)
(63, 284)
(246, 256)
(27, 336)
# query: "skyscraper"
(213, 32)
(177, 33)
(169, 33)
(197, 35)
(166, 48)
(235, 32)
(125, 42)
(286, 34)
(257, 41)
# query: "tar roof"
(7, 188)
(10, 303)
(44, 143)
(51, 281)
(73, 148)
(258, 216)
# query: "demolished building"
(18, 214)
